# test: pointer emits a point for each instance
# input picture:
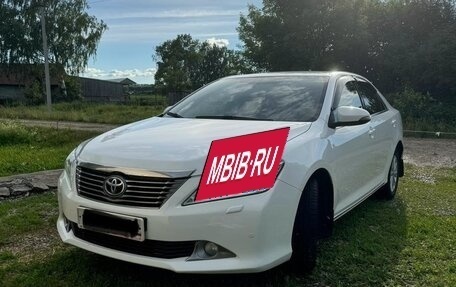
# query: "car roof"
(295, 73)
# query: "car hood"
(171, 144)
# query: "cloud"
(141, 76)
(218, 42)
(133, 73)
(99, 73)
(94, 73)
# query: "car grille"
(140, 191)
(151, 248)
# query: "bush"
(422, 112)
(413, 104)
(72, 91)
(33, 93)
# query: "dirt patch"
(430, 152)
(32, 246)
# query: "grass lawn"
(25, 149)
(83, 112)
(410, 241)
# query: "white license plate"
(114, 224)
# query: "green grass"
(24, 149)
(147, 99)
(83, 112)
(410, 241)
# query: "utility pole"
(46, 60)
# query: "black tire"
(306, 229)
(388, 191)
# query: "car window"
(371, 100)
(280, 98)
(346, 93)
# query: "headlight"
(70, 167)
(71, 162)
(191, 199)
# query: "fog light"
(211, 249)
(205, 250)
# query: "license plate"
(114, 224)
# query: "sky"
(135, 28)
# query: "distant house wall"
(11, 92)
(94, 90)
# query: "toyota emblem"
(115, 186)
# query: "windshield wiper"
(232, 118)
(174, 115)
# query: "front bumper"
(256, 228)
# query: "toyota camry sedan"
(130, 193)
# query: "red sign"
(242, 164)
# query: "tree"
(73, 34)
(419, 40)
(185, 64)
(286, 35)
(214, 62)
(395, 43)
(176, 59)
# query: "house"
(15, 79)
(18, 80)
(96, 90)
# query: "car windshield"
(279, 98)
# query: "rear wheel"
(306, 229)
(388, 191)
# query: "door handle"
(371, 132)
(393, 122)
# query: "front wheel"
(305, 229)
(388, 191)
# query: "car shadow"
(362, 251)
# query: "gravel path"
(95, 127)
(430, 152)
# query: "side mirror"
(167, 109)
(348, 116)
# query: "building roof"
(123, 81)
(23, 74)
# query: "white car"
(130, 193)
